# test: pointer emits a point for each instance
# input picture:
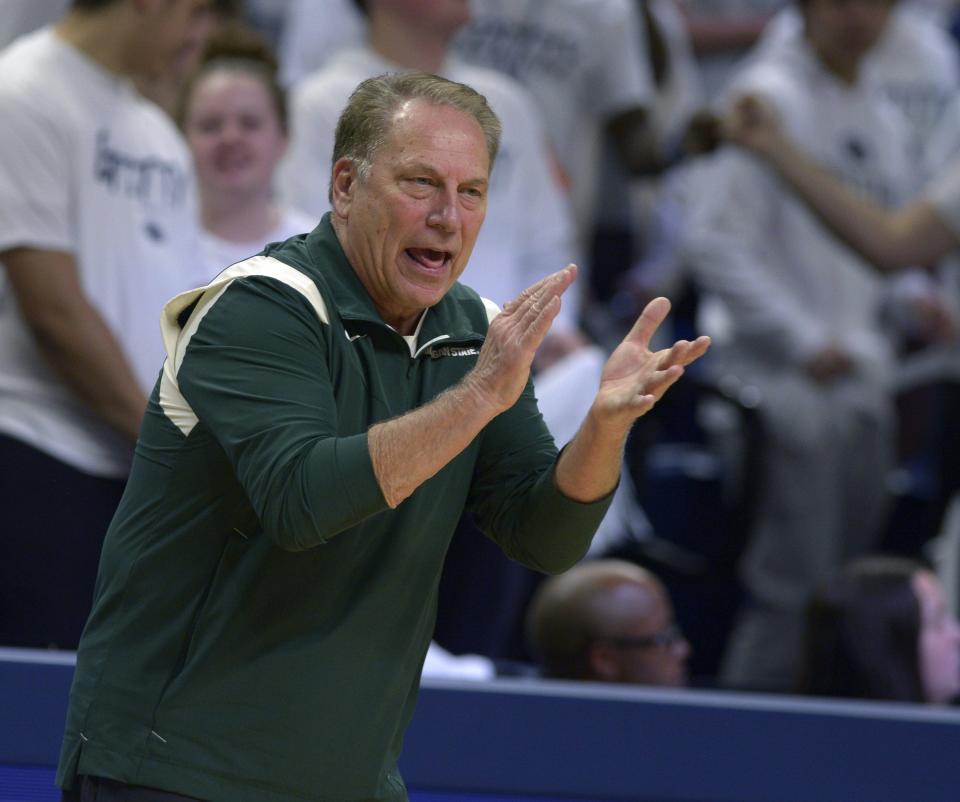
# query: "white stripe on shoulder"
(274, 268)
(492, 309)
(176, 340)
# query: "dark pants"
(52, 522)
(99, 789)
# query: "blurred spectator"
(165, 87)
(607, 621)
(916, 233)
(234, 116)
(528, 230)
(915, 64)
(919, 232)
(881, 630)
(802, 325)
(98, 229)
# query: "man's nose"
(445, 213)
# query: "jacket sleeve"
(256, 375)
(515, 498)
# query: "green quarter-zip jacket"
(261, 615)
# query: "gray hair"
(366, 122)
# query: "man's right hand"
(408, 450)
(512, 340)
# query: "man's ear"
(603, 660)
(343, 186)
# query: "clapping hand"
(634, 377)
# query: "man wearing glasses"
(607, 621)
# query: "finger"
(654, 388)
(684, 352)
(555, 282)
(530, 307)
(642, 404)
(511, 306)
(663, 381)
(653, 314)
(540, 325)
(535, 329)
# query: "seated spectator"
(803, 325)
(234, 116)
(607, 621)
(882, 631)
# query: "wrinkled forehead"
(421, 130)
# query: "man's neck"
(407, 45)
(100, 39)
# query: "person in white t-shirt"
(98, 229)
(234, 115)
(922, 231)
(918, 232)
(915, 64)
(804, 328)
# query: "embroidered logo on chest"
(436, 352)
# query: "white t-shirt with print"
(915, 64)
(90, 168)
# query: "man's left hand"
(634, 377)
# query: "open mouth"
(429, 258)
